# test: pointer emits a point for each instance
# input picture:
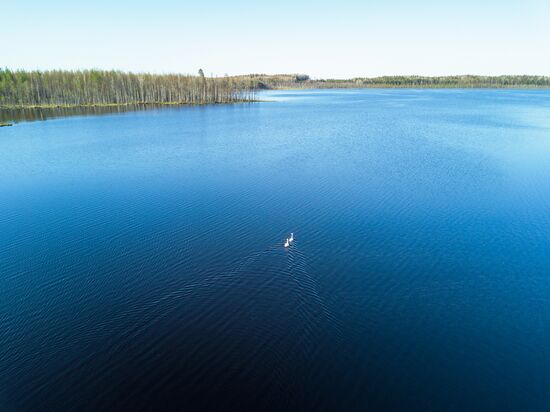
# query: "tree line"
(298, 81)
(466, 81)
(102, 87)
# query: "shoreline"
(332, 86)
(92, 105)
(350, 87)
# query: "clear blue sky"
(324, 39)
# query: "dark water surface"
(142, 267)
(44, 113)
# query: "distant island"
(63, 88)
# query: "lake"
(142, 264)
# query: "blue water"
(142, 267)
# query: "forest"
(21, 88)
(301, 81)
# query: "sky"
(336, 39)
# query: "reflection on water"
(32, 114)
